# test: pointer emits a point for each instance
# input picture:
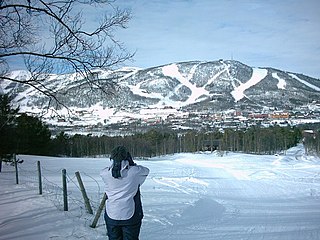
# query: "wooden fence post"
(16, 168)
(39, 177)
(84, 194)
(100, 209)
(65, 192)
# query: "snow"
(257, 75)
(186, 196)
(281, 82)
(305, 82)
(196, 92)
(137, 90)
(218, 74)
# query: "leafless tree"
(52, 36)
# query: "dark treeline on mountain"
(23, 134)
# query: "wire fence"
(49, 183)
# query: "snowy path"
(186, 196)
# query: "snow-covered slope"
(257, 76)
(186, 196)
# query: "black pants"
(123, 232)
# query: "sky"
(260, 33)
(281, 34)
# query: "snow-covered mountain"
(185, 86)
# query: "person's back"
(123, 205)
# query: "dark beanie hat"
(118, 154)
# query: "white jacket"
(120, 191)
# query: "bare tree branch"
(71, 46)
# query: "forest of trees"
(20, 133)
(155, 143)
(23, 134)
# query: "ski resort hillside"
(174, 94)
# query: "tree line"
(155, 143)
(23, 134)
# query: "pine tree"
(7, 122)
(33, 136)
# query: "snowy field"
(186, 196)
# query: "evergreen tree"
(33, 136)
(61, 145)
(7, 123)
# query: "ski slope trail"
(258, 74)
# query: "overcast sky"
(283, 34)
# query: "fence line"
(39, 177)
(84, 193)
(72, 202)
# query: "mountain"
(175, 89)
